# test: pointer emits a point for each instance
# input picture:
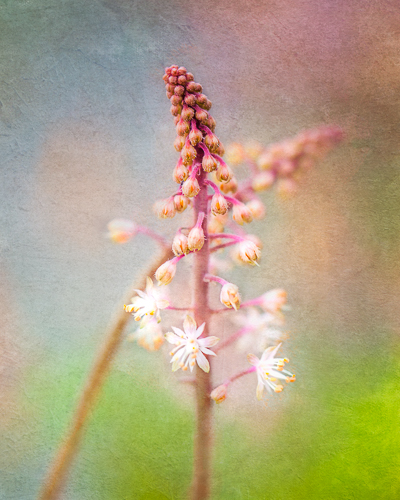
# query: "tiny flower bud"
(256, 208)
(173, 80)
(195, 136)
(273, 300)
(180, 244)
(191, 87)
(201, 99)
(220, 149)
(176, 110)
(181, 202)
(219, 205)
(212, 142)
(169, 94)
(165, 209)
(121, 230)
(176, 119)
(230, 296)
(253, 149)
(263, 180)
(196, 238)
(183, 127)
(174, 70)
(219, 393)
(230, 186)
(211, 123)
(165, 78)
(240, 214)
(266, 160)
(235, 154)
(286, 167)
(216, 223)
(187, 113)
(176, 100)
(179, 143)
(209, 163)
(179, 90)
(166, 272)
(201, 115)
(190, 100)
(182, 80)
(182, 70)
(248, 252)
(190, 187)
(188, 153)
(189, 77)
(224, 173)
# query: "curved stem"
(232, 338)
(63, 459)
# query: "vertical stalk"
(203, 435)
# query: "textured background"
(86, 136)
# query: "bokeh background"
(86, 136)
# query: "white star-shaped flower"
(147, 303)
(190, 349)
(150, 336)
(269, 370)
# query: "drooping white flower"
(190, 349)
(230, 296)
(149, 335)
(269, 370)
(121, 230)
(147, 304)
(261, 329)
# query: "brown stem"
(62, 462)
(203, 436)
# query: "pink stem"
(232, 338)
(152, 234)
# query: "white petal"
(149, 284)
(207, 351)
(141, 294)
(179, 332)
(208, 341)
(270, 352)
(172, 338)
(162, 303)
(252, 359)
(202, 361)
(199, 330)
(260, 390)
(189, 324)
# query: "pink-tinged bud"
(169, 94)
(240, 214)
(170, 88)
(166, 272)
(253, 149)
(173, 80)
(211, 123)
(257, 208)
(165, 78)
(220, 149)
(179, 90)
(230, 186)
(176, 110)
(195, 136)
(216, 223)
(286, 168)
(235, 154)
(187, 113)
(263, 180)
(176, 119)
(190, 187)
(266, 160)
(182, 70)
(191, 87)
(219, 393)
(201, 99)
(183, 127)
(274, 300)
(230, 296)
(188, 153)
(180, 244)
(121, 230)
(189, 77)
(165, 209)
(212, 142)
(190, 100)
(182, 80)
(196, 238)
(219, 205)
(201, 115)
(224, 173)
(181, 203)
(248, 252)
(209, 163)
(176, 100)
(179, 143)
(181, 173)
(174, 70)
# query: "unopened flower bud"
(195, 136)
(166, 272)
(201, 99)
(190, 187)
(286, 167)
(189, 77)
(165, 209)
(253, 149)
(216, 223)
(183, 127)
(169, 94)
(179, 143)
(121, 230)
(212, 142)
(180, 244)
(196, 238)
(173, 80)
(201, 115)
(235, 153)
(179, 90)
(219, 393)
(230, 186)
(182, 80)
(176, 100)
(177, 119)
(224, 173)
(181, 202)
(273, 300)
(187, 113)
(230, 296)
(209, 163)
(240, 214)
(257, 208)
(263, 180)
(192, 87)
(190, 100)
(182, 70)
(266, 161)
(188, 153)
(211, 123)
(248, 252)
(220, 149)
(219, 205)
(176, 110)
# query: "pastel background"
(86, 136)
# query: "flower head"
(190, 349)
(269, 369)
(166, 272)
(230, 296)
(147, 304)
(121, 230)
(219, 393)
(248, 252)
(149, 335)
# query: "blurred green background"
(86, 136)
